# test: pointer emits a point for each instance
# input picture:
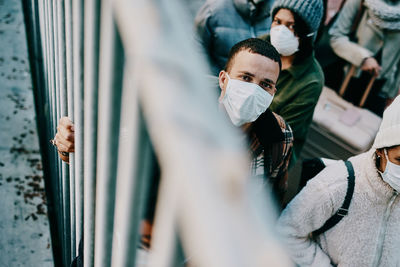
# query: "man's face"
(252, 68)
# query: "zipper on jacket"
(382, 232)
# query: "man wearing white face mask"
(247, 89)
(369, 233)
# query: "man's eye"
(266, 85)
(246, 78)
(291, 27)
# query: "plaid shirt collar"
(271, 141)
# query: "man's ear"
(222, 79)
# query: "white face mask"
(284, 40)
(392, 174)
(245, 102)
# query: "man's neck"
(246, 127)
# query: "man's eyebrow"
(247, 73)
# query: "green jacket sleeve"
(299, 114)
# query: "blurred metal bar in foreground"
(63, 100)
(91, 65)
(77, 31)
(204, 167)
(110, 87)
(70, 108)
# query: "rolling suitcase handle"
(346, 83)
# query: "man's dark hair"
(255, 46)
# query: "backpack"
(310, 168)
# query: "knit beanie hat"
(311, 11)
(389, 131)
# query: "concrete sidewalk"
(24, 226)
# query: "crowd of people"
(263, 52)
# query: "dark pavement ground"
(24, 226)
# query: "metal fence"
(128, 76)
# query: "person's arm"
(204, 34)
(339, 35)
(65, 138)
(307, 212)
(202, 28)
(298, 114)
(281, 184)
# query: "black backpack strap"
(342, 211)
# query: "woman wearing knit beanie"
(369, 235)
(294, 27)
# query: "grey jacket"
(220, 24)
(370, 40)
(368, 236)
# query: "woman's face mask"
(284, 40)
(245, 102)
(391, 175)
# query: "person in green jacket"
(294, 27)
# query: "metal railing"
(127, 76)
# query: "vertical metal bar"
(47, 72)
(56, 64)
(49, 103)
(51, 66)
(53, 112)
(57, 90)
(70, 108)
(91, 53)
(110, 86)
(62, 58)
(42, 28)
(34, 21)
(64, 112)
(77, 31)
(133, 171)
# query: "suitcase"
(340, 129)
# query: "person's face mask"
(244, 102)
(284, 40)
(392, 174)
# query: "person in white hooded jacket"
(369, 235)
